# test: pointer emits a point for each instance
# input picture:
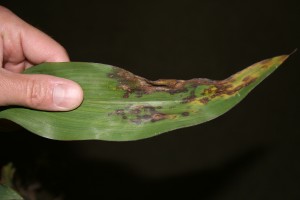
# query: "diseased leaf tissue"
(121, 106)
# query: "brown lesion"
(204, 100)
(141, 113)
(227, 87)
(185, 114)
(158, 116)
(190, 98)
(247, 79)
(133, 84)
(265, 62)
(276, 60)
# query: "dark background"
(251, 152)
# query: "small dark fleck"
(185, 114)
(126, 95)
(150, 109)
(189, 98)
(204, 100)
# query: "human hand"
(22, 46)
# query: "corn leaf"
(6, 193)
(120, 106)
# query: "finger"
(21, 42)
(39, 47)
(42, 92)
(17, 68)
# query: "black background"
(251, 152)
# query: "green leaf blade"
(120, 106)
(6, 193)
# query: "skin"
(22, 46)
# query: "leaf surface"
(120, 106)
(6, 193)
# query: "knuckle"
(36, 93)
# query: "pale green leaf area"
(120, 106)
(6, 193)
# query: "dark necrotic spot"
(140, 114)
(150, 109)
(189, 98)
(185, 114)
(204, 100)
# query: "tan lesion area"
(265, 64)
(227, 87)
(210, 90)
(139, 114)
(242, 79)
(138, 86)
(135, 85)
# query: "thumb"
(42, 92)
